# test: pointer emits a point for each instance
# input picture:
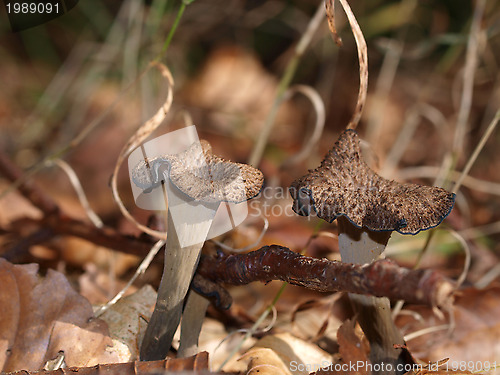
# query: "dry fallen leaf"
(284, 353)
(315, 319)
(474, 339)
(238, 91)
(197, 364)
(351, 347)
(353, 353)
(127, 320)
(41, 316)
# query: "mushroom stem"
(196, 182)
(362, 246)
(178, 271)
(180, 265)
(192, 319)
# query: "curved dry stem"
(467, 252)
(256, 325)
(75, 142)
(248, 247)
(426, 331)
(330, 14)
(75, 182)
(291, 67)
(408, 129)
(488, 277)
(319, 108)
(415, 315)
(136, 140)
(363, 64)
(472, 183)
(251, 330)
(477, 150)
(140, 270)
(469, 72)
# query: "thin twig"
(66, 226)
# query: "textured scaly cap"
(344, 185)
(201, 175)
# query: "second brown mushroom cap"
(344, 185)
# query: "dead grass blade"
(136, 140)
(319, 108)
(362, 56)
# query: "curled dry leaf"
(285, 354)
(40, 317)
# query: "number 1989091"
(32, 8)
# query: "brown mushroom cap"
(344, 185)
(202, 175)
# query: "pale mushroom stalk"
(363, 246)
(179, 267)
(194, 312)
(368, 209)
(196, 182)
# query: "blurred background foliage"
(226, 59)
